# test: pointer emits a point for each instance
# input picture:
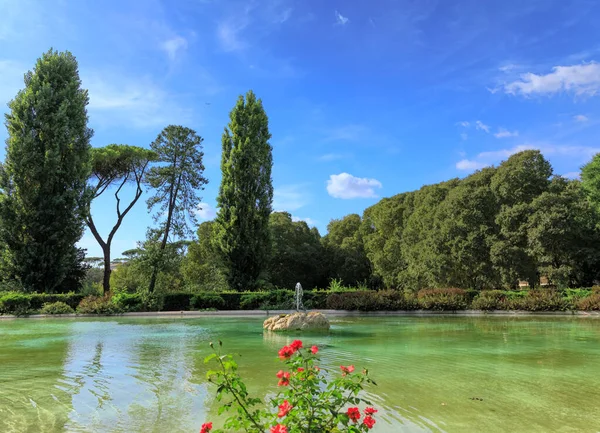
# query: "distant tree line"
(501, 225)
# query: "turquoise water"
(147, 375)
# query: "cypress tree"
(245, 195)
(44, 176)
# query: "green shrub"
(491, 300)
(202, 301)
(57, 307)
(541, 300)
(15, 303)
(97, 305)
(177, 301)
(128, 301)
(450, 299)
(590, 303)
(385, 300)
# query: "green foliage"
(115, 165)
(589, 303)
(296, 253)
(541, 300)
(344, 251)
(202, 301)
(386, 300)
(97, 305)
(310, 399)
(125, 302)
(590, 180)
(245, 195)
(451, 299)
(176, 181)
(15, 303)
(57, 307)
(202, 268)
(128, 277)
(43, 179)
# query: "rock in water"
(297, 322)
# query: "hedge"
(449, 299)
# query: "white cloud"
(346, 186)
(572, 175)
(464, 136)
(309, 221)
(331, 157)
(504, 133)
(173, 46)
(464, 124)
(130, 101)
(581, 80)
(350, 132)
(479, 125)
(228, 33)
(340, 19)
(206, 212)
(577, 154)
(466, 164)
(581, 118)
(290, 197)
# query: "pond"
(434, 374)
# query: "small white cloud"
(464, 124)
(504, 133)
(173, 46)
(340, 19)
(572, 175)
(284, 16)
(464, 136)
(507, 68)
(577, 154)
(228, 35)
(351, 132)
(581, 118)
(331, 157)
(206, 212)
(581, 80)
(130, 101)
(346, 186)
(288, 198)
(479, 125)
(466, 164)
(309, 221)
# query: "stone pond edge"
(339, 313)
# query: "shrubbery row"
(386, 300)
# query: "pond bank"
(267, 313)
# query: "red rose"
(285, 352)
(284, 408)
(206, 427)
(369, 421)
(279, 428)
(284, 378)
(370, 411)
(314, 350)
(346, 370)
(353, 413)
(296, 344)
(279, 374)
(300, 369)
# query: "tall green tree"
(176, 181)
(43, 179)
(296, 253)
(590, 180)
(246, 194)
(345, 251)
(202, 267)
(116, 165)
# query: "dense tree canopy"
(246, 194)
(44, 176)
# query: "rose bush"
(309, 401)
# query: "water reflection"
(148, 375)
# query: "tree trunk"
(107, 271)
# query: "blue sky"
(365, 99)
